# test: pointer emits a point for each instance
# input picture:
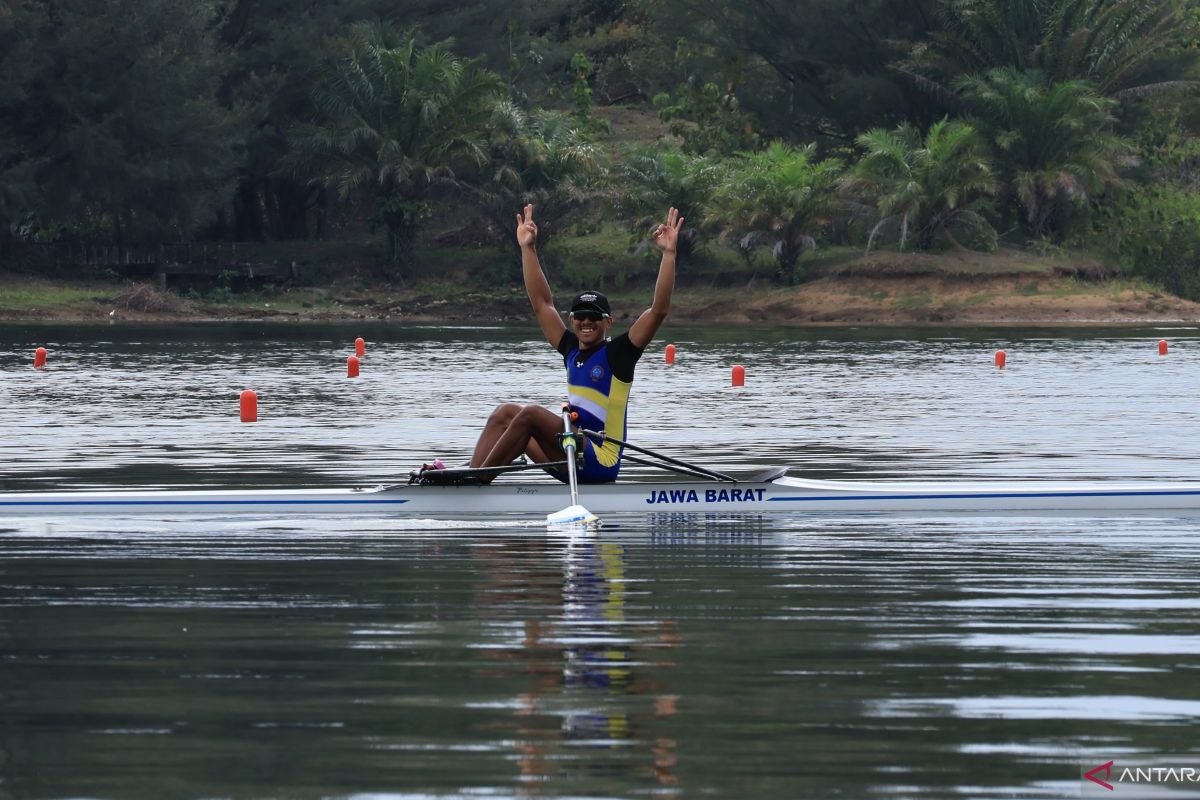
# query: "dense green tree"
(18, 62)
(117, 125)
(543, 158)
(1155, 233)
(650, 180)
(396, 123)
(1124, 48)
(528, 43)
(805, 68)
(627, 46)
(1052, 143)
(781, 198)
(1167, 146)
(277, 48)
(124, 119)
(707, 120)
(923, 184)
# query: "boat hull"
(784, 495)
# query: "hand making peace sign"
(666, 236)
(526, 230)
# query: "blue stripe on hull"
(982, 496)
(4, 503)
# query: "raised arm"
(536, 285)
(666, 236)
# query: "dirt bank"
(881, 291)
(930, 300)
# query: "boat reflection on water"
(697, 528)
(596, 704)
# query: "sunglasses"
(594, 316)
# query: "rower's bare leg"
(533, 430)
(497, 423)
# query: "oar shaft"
(602, 437)
(569, 448)
(574, 515)
(668, 467)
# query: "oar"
(601, 437)
(574, 514)
(668, 467)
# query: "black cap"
(591, 301)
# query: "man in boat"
(599, 368)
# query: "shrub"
(1156, 234)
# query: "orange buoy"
(739, 375)
(670, 354)
(1001, 357)
(1162, 347)
(249, 406)
(352, 367)
(360, 347)
(39, 358)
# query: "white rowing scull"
(770, 493)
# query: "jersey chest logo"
(597, 373)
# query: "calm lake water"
(854, 656)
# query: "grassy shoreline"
(342, 281)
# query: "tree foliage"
(396, 122)
(19, 62)
(707, 120)
(654, 180)
(781, 197)
(1156, 235)
(1051, 143)
(1124, 48)
(544, 159)
(267, 119)
(117, 123)
(922, 184)
(805, 68)
(276, 49)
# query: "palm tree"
(652, 180)
(779, 197)
(395, 125)
(923, 184)
(1051, 141)
(542, 158)
(1125, 48)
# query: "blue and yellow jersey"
(598, 384)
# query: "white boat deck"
(781, 495)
